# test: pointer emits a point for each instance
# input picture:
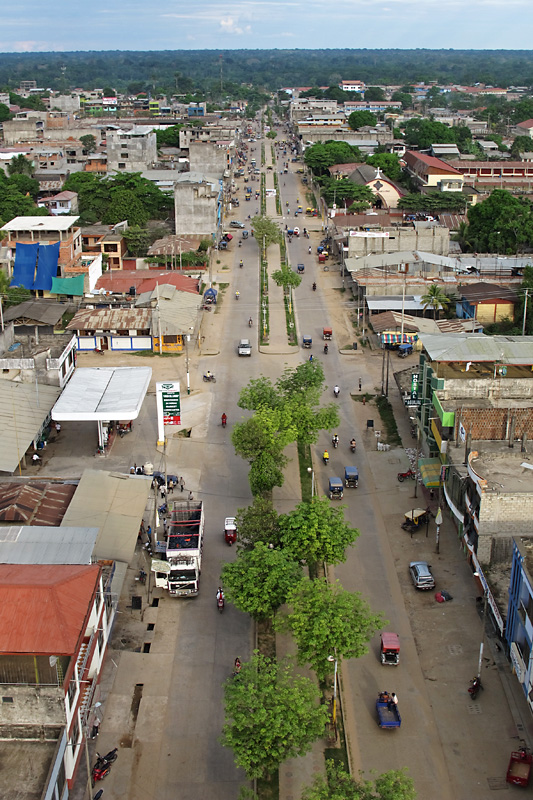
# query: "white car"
(244, 348)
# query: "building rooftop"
(474, 347)
(45, 312)
(45, 608)
(34, 503)
(42, 545)
(499, 465)
(53, 223)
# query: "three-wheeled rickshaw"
(351, 477)
(321, 258)
(519, 769)
(327, 333)
(390, 649)
(336, 491)
(307, 341)
(230, 531)
(415, 518)
(301, 268)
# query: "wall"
(502, 516)
(494, 312)
(433, 240)
(195, 208)
(486, 387)
(208, 158)
(493, 423)
(141, 151)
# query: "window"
(124, 155)
(121, 165)
(72, 688)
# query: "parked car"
(244, 348)
(235, 224)
(421, 576)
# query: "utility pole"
(525, 314)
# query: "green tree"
(526, 290)
(5, 113)
(169, 137)
(436, 299)
(322, 155)
(325, 619)
(405, 100)
(20, 165)
(16, 204)
(361, 119)
(502, 223)
(89, 143)
(286, 277)
(344, 191)
(433, 201)
(24, 184)
(271, 135)
(125, 205)
(317, 531)
(340, 785)
(258, 581)
(266, 231)
(389, 164)
(521, 144)
(108, 92)
(313, 92)
(375, 93)
(422, 133)
(257, 522)
(271, 715)
(335, 93)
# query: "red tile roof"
(45, 609)
(430, 161)
(527, 123)
(145, 280)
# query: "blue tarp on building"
(47, 266)
(25, 262)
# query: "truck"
(179, 570)
(387, 711)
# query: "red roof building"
(54, 629)
(145, 280)
(433, 174)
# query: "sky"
(30, 26)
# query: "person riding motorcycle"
(240, 263)
(325, 457)
(314, 287)
(224, 420)
(353, 445)
(250, 322)
(220, 594)
(336, 391)
(237, 295)
(326, 349)
(335, 440)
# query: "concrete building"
(132, 150)
(475, 396)
(45, 230)
(69, 103)
(62, 203)
(24, 129)
(198, 205)
(432, 174)
(418, 236)
(213, 159)
(519, 628)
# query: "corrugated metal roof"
(477, 347)
(24, 408)
(115, 504)
(176, 312)
(44, 311)
(35, 503)
(45, 608)
(394, 303)
(111, 319)
(42, 545)
(103, 393)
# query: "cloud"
(229, 25)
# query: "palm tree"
(436, 299)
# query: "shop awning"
(430, 471)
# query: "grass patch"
(304, 462)
(153, 354)
(365, 397)
(389, 422)
(289, 320)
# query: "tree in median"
(340, 785)
(286, 278)
(257, 523)
(258, 581)
(317, 531)
(265, 231)
(326, 619)
(271, 715)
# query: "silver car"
(421, 576)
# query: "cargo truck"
(179, 571)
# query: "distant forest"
(168, 71)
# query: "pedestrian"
(191, 497)
(182, 484)
(58, 427)
(360, 384)
(163, 490)
(96, 728)
(36, 458)
(170, 486)
(149, 533)
(165, 526)
(394, 698)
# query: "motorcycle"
(237, 295)
(409, 474)
(326, 349)
(236, 668)
(224, 420)
(314, 287)
(353, 446)
(336, 391)
(475, 687)
(99, 773)
(335, 441)
(109, 758)
(210, 379)
(241, 264)
(250, 322)
(99, 351)
(325, 459)
(220, 602)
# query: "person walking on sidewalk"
(191, 496)
(182, 484)
(360, 383)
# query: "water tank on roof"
(133, 291)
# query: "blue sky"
(265, 24)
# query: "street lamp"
(312, 473)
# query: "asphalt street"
(169, 741)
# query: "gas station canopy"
(103, 393)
